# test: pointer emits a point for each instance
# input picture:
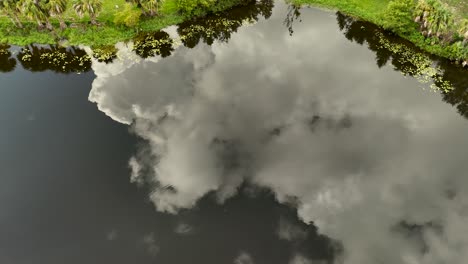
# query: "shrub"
(129, 17)
(398, 16)
(169, 7)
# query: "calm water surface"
(267, 137)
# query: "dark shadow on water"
(7, 62)
(458, 77)
(248, 222)
(38, 58)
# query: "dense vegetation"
(95, 22)
(437, 26)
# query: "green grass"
(373, 11)
(369, 10)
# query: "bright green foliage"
(130, 16)
(169, 7)
(398, 16)
(91, 7)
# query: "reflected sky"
(273, 147)
(66, 195)
(364, 152)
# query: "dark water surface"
(262, 135)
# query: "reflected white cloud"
(149, 241)
(183, 229)
(244, 258)
(299, 259)
(364, 151)
(112, 235)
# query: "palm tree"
(92, 7)
(56, 8)
(433, 16)
(150, 7)
(12, 9)
(36, 10)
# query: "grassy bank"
(116, 21)
(449, 43)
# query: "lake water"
(257, 136)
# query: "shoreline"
(107, 34)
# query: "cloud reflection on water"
(368, 156)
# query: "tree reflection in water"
(38, 58)
(215, 27)
(440, 71)
(292, 15)
(7, 62)
(220, 26)
(153, 43)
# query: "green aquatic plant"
(41, 58)
(152, 44)
(416, 64)
(105, 53)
